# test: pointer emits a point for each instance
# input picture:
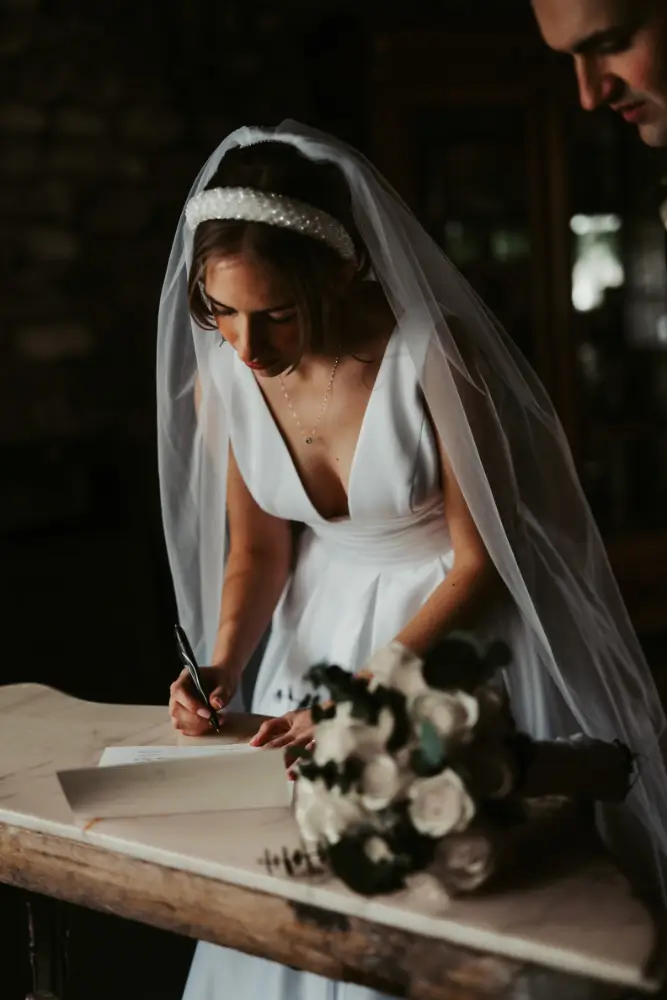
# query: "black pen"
(188, 660)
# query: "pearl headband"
(250, 205)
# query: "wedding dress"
(356, 582)
(577, 665)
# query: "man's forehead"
(566, 23)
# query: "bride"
(390, 467)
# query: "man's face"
(619, 49)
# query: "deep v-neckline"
(276, 431)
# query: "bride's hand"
(188, 715)
(294, 729)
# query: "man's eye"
(282, 318)
(616, 45)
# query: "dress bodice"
(394, 483)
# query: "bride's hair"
(310, 269)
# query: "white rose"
(453, 714)
(334, 740)
(380, 782)
(373, 739)
(343, 736)
(395, 666)
(440, 805)
(324, 814)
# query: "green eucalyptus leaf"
(431, 745)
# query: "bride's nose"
(246, 339)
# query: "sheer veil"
(577, 665)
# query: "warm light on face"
(619, 49)
(254, 312)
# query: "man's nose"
(595, 85)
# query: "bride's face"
(255, 314)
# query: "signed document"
(162, 781)
(143, 755)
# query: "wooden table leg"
(48, 940)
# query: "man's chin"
(654, 133)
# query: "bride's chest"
(323, 436)
(367, 452)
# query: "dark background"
(107, 112)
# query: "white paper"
(162, 784)
(114, 756)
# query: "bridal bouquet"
(411, 761)
(417, 777)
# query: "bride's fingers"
(186, 722)
(269, 730)
(298, 742)
(280, 741)
(219, 698)
(179, 693)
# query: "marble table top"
(585, 922)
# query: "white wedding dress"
(357, 581)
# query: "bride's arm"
(257, 569)
(258, 566)
(471, 585)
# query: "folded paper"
(191, 784)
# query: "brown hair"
(307, 267)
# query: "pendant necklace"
(309, 438)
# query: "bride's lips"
(256, 366)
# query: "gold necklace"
(309, 438)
